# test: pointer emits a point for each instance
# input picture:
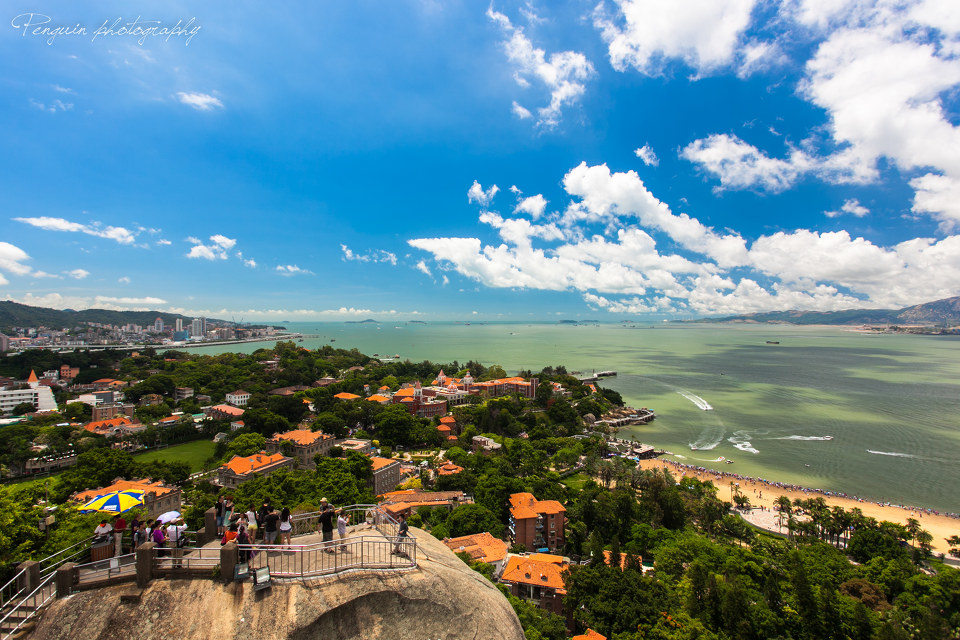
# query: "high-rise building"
(4, 343)
(178, 324)
(198, 328)
(158, 325)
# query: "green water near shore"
(890, 402)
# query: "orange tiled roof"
(538, 569)
(384, 388)
(378, 398)
(300, 436)
(449, 469)
(448, 420)
(524, 505)
(228, 409)
(242, 466)
(145, 486)
(346, 396)
(380, 463)
(443, 429)
(101, 380)
(590, 635)
(409, 391)
(33, 376)
(479, 546)
(120, 421)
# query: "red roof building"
(536, 524)
(538, 578)
(240, 469)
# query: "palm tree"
(784, 506)
(913, 528)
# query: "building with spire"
(40, 396)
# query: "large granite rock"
(441, 600)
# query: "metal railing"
(27, 608)
(72, 553)
(326, 558)
(125, 565)
(12, 589)
(187, 558)
(372, 515)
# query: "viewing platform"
(371, 545)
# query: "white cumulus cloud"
(121, 235)
(563, 73)
(476, 193)
(199, 101)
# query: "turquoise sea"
(871, 415)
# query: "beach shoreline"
(763, 493)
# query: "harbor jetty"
(626, 416)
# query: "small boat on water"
(607, 374)
(773, 342)
(728, 461)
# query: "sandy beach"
(940, 527)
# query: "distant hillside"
(13, 314)
(939, 312)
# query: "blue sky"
(519, 160)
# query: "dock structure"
(626, 416)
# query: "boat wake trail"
(697, 400)
(709, 438)
(741, 440)
(805, 438)
(892, 453)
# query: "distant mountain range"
(940, 312)
(14, 314)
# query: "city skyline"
(425, 160)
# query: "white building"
(238, 398)
(178, 324)
(158, 325)
(39, 396)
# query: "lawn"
(193, 453)
(575, 481)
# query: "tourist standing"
(136, 532)
(262, 514)
(401, 534)
(286, 527)
(219, 508)
(159, 538)
(227, 510)
(342, 528)
(252, 525)
(270, 527)
(325, 522)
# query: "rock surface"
(441, 600)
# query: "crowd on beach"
(721, 475)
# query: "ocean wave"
(892, 453)
(805, 438)
(741, 441)
(697, 400)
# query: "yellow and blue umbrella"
(115, 502)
